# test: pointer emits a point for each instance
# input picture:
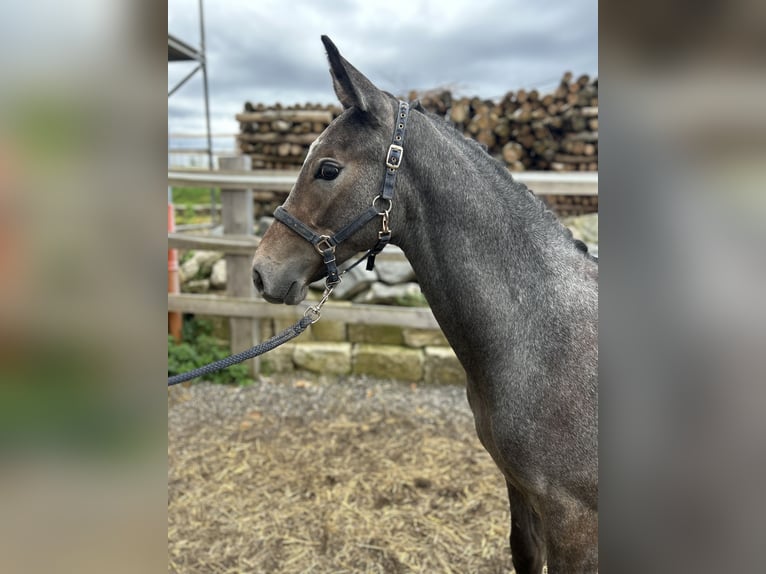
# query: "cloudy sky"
(269, 50)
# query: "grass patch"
(199, 347)
(187, 198)
(194, 195)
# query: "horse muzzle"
(279, 289)
(283, 267)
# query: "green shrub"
(185, 256)
(197, 348)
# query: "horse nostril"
(257, 281)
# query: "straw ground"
(296, 475)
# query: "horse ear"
(353, 89)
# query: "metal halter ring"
(324, 239)
(385, 211)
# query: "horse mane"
(500, 169)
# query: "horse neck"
(480, 243)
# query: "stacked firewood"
(571, 205)
(528, 130)
(279, 138)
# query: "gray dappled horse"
(515, 295)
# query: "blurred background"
(82, 275)
(682, 399)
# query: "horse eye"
(328, 171)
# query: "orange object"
(175, 319)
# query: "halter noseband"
(381, 206)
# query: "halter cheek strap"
(381, 206)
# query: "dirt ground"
(353, 475)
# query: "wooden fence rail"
(223, 306)
(541, 182)
(235, 244)
(240, 304)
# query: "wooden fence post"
(237, 216)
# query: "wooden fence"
(242, 305)
(541, 182)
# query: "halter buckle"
(324, 244)
(394, 156)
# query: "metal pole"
(207, 107)
(182, 82)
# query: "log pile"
(526, 129)
(278, 137)
(529, 130)
(571, 205)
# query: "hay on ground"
(294, 475)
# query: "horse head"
(340, 179)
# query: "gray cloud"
(269, 51)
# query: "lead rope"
(252, 352)
(310, 316)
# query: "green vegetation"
(185, 256)
(194, 195)
(199, 347)
(412, 300)
(187, 198)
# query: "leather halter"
(381, 206)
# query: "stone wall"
(381, 351)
